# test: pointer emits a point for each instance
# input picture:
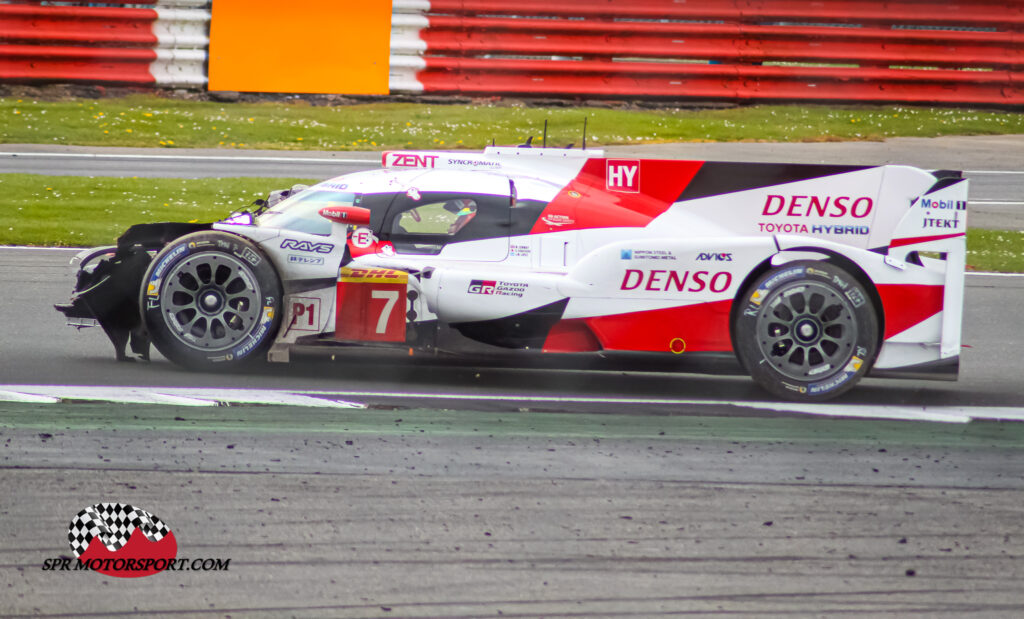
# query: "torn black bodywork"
(107, 289)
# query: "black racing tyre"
(806, 331)
(211, 301)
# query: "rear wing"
(937, 223)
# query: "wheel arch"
(737, 302)
(263, 272)
(850, 266)
(756, 323)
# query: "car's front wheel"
(210, 300)
(806, 331)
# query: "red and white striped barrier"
(906, 51)
(162, 45)
(915, 51)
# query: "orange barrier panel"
(309, 46)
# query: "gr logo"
(623, 175)
(482, 286)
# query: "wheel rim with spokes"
(807, 331)
(210, 300)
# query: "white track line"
(42, 248)
(944, 414)
(178, 396)
(372, 158)
(14, 396)
(949, 414)
(375, 159)
(174, 396)
(989, 274)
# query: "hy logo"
(116, 539)
(623, 175)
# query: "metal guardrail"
(164, 44)
(906, 51)
(915, 51)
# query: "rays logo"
(319, 248)
(120, 540)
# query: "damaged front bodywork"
(108, 283)
(108, 280)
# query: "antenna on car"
(584, 133)
(544, 143)
(528, 143)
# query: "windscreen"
(301, 212)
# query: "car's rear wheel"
(806, 331)
(210, 300)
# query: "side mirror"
(347, 215)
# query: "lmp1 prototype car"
(807, 277)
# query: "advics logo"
(117, 539)
(482, 286)
(622, 175)
(713, 257)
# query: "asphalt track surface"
(500, 502)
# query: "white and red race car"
(808, 276)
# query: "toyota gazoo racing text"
(806, 277)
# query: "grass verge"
(79, 211)
(999, 251)
(75, 211)
(151, 121)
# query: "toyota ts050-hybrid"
(806, 277)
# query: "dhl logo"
(372, 276)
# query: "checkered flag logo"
(112, 524)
